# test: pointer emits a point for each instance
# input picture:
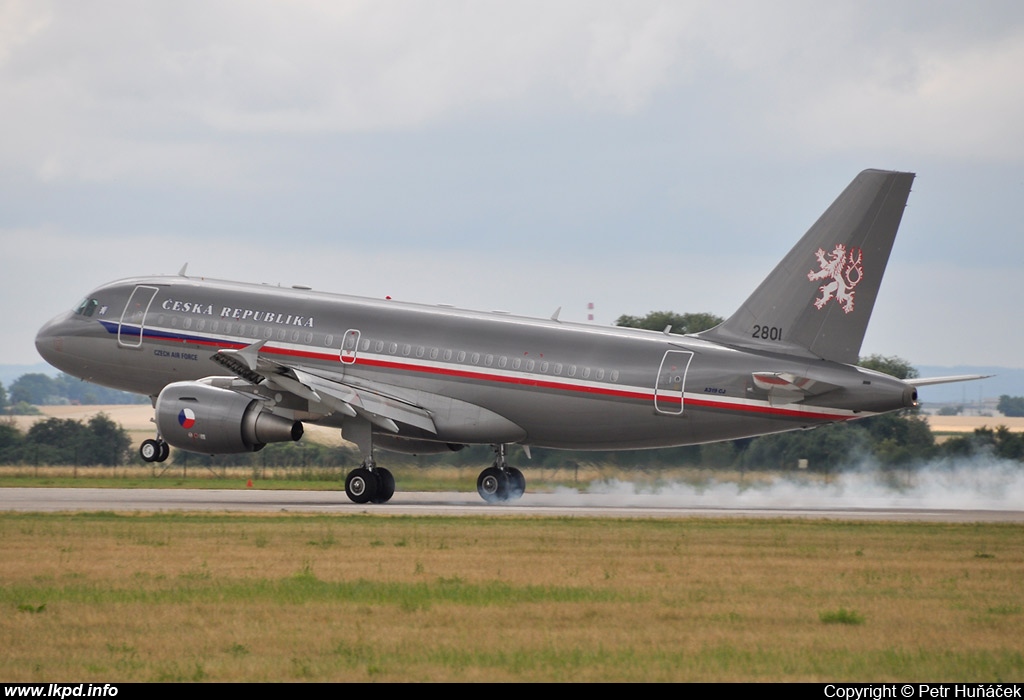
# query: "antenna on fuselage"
(181, 272)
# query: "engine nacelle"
(201, 418)
(413, 447)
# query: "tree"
(10, 440)
(3, 398)
(66, 441)
(892, 365)
(680, 323)
(1011, 406)
(36, 389)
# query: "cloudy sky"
(513, 155)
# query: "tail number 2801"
(767, 333)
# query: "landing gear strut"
(500, 482)
(368, 483)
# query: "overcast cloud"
(515, 155)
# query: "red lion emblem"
(844, 269)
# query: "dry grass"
(103, 597)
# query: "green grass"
(212, 597)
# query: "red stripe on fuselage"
(475, 375)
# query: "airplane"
(231, 366)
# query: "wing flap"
(330, 395)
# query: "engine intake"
(201, 418)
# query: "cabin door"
(133, 319)
(350, 346)
(668, 390)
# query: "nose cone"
(50, 340)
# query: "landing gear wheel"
(165, 452)
(361, 485)
(516, 483)
(150, 451)
(492, 485)
(385, 485)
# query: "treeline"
(890, 441)
(37, 389)
(100, 441)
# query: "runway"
(561, 504)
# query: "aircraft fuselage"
(483, 377)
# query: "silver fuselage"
(483, 377)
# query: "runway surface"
(563, 504)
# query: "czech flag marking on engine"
(187, 418)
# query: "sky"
(521, 155)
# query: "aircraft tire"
(492, 485)
(516, 483)
(361, 485)
(165, 452)
(150, 451)
(385, 485)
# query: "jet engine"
(201, 418)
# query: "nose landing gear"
(154, 450)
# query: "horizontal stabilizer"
(926, 381)
(769, 381)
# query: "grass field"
(107, 597)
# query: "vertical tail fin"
(818, 300)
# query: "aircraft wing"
(327, 393)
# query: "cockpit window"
(86, 307)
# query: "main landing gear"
(154, 450)
(370, 484)
(500, 482)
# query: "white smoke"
(980, 483)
